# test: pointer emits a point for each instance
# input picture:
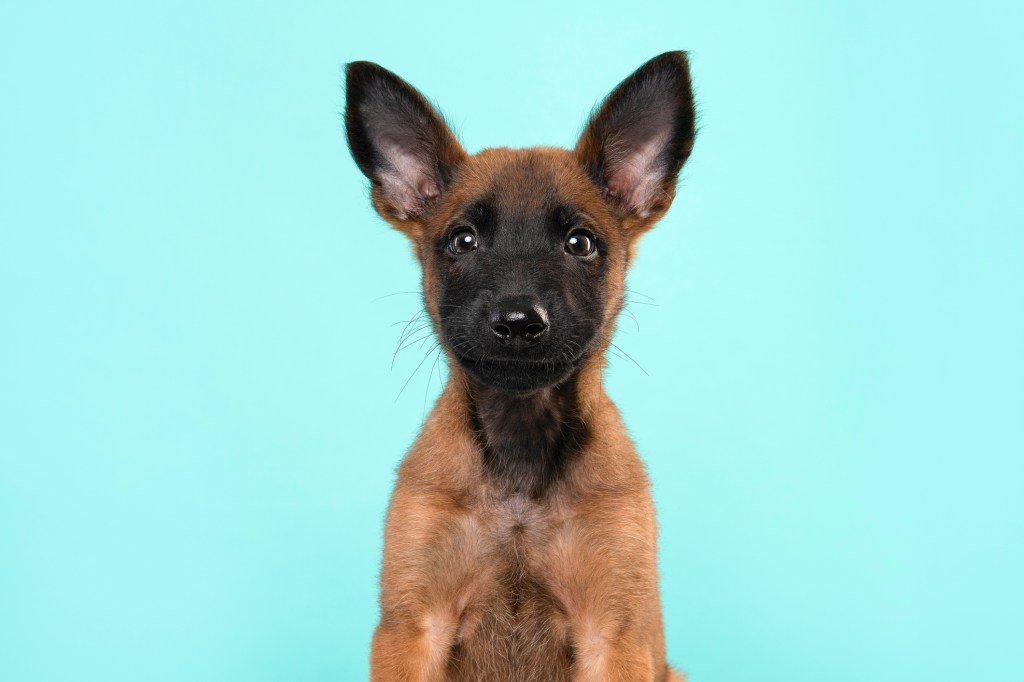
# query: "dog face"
(524, 252)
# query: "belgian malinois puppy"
(520, 538)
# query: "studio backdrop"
(203, 399)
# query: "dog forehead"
(523, 182)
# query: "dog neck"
(527, 440)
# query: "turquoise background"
(198, 419)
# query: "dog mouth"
(519, 374)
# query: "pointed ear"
(640, 136)
(398, 141)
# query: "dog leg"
(432, 569)
(601, 564)
(412, 651)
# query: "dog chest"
(511, 625)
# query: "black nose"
(519, 319)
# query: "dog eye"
(580, 243)
(463, 241)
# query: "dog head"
(524, 251)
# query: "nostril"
(502, 331)
(536, 329)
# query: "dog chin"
(517, 376)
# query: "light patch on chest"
(515, 511)
(499, 529)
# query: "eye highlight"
(580, 243)
(462, 241)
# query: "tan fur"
(480, 584)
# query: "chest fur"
(512, 625)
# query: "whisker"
(428, 336)
(440, 379)
(411, 333)
(415, 330)
(630, 358)
(417, 317)
(402, 337)
(629, 312)
(412, 342)
(425, 356)
(634, 291)
(397, 293)
(430, 375)
(412, 337)
(410, 322)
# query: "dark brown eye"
(580, 243)
(462, 241)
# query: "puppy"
(520, 538)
